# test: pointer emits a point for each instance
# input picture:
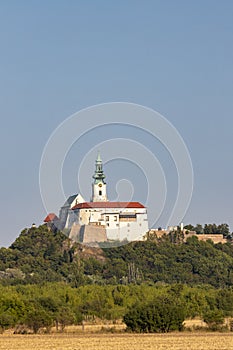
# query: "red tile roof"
(89, 205)
(50, 217)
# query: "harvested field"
(172, 341)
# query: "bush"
(6, 321)
(162, 315)
(214, 319)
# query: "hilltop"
(40, 255)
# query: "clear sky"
(58, 57)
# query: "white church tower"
(99, 192)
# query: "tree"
(77, 277)
(12, 309)
(160, 316)
(38, 318)
(189, 227)
(224, 230)
(209, 229)
(65, 317)
(224, 300)
(6, 320)
(214, 319)
(198, 229)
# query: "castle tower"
(99, 193)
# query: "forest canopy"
(40, 255)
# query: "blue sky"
(58, 57)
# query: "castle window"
(115, 218)
(107, 218)
(100, 193)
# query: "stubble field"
(173, 341)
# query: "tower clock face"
(100, 185)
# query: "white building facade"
(120, 220)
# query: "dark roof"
(69, 201)
(89, 205)
(50, 217)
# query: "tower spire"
(99, 173)
(99, 193)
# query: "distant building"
(101, 220)
(70, 203)
(156, 233)
(52, 221)
(215, 238)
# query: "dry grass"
(94, 328)
(195, 323)
(172, 341)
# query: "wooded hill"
(39, 255)
(48, 280)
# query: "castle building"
(100, 219)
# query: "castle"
(101, 220)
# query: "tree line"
(222, 229)
(144, 308)
(39, 255)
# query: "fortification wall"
(87, 233)
(93, 234)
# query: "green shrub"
(162, 315)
